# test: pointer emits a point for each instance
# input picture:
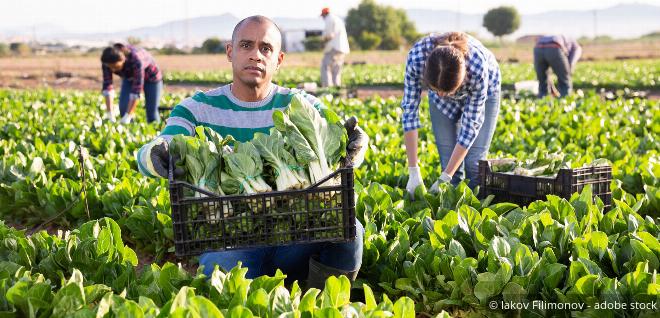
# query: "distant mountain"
(197, 29)
(622, 21)
(444, 20)
(38, 30)
(192, 31)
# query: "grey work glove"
(154, 159)
(358, 142)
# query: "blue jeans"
(152, 93)
(446, 132)
(293, 260)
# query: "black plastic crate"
(205, 221)
(523, 190)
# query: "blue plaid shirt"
(467, 104)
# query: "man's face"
(255, 53)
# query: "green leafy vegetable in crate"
(245, 166)
(319, 143)
(201, 158)
(304, 147)
(288, 174)
(541, 163)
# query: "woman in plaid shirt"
(139, 72)
(463, 78)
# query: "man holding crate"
(242, 109)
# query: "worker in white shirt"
(336, 48)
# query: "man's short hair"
(259, 19)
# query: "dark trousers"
(293, 260)
(552, 58)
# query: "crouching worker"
(242, 109)
(560, 54)
(139, 72)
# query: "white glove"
(126, 119)
(444, 178)
(111, 115)
(414, 180)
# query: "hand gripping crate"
(523, 190)
(205, 221)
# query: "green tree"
(408, 29)
(353, 43)
(133, 40)
(652, 35)
(502, 21)
(213, 46)
(313, 43)
(20, 48)
(4, 49)
(171, 49)
(389, 24)
(369, 41)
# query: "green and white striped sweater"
(221, 111)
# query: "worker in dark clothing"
(559, 53)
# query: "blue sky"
(99, 16)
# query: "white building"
(294, 39)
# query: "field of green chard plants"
(633, 74)
(84, 234)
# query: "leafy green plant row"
(45, 182)
(40, 172)
(622, 131)
(89, 272)
(40, 176)
(636, 75)
(452, 250)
